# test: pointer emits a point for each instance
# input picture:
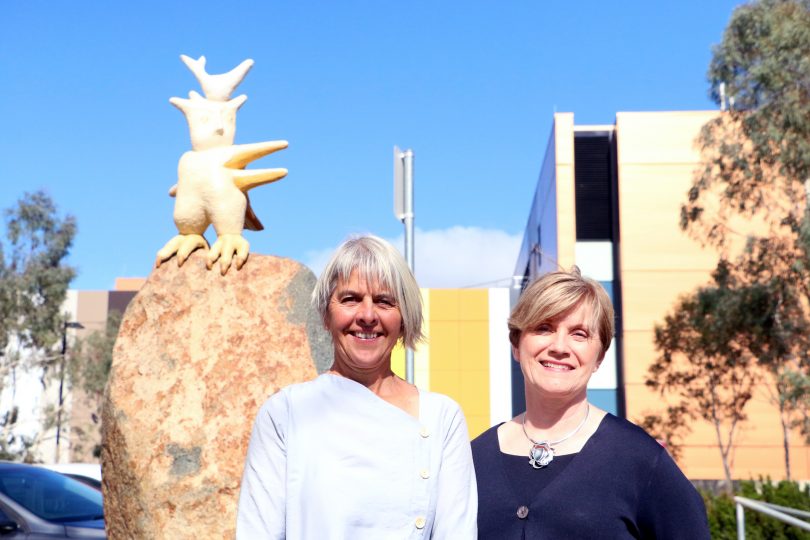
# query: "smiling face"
(365, 323)
(559, 356)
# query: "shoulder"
(441, 414)
(436, 402)
(634, 449)
(294, 393)
(486, 442)
(615, 430)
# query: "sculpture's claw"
(182, 245)
(224, 249)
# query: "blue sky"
(469, 86)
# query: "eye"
(385, 301)
(544, 328)
(348, 299)
(581, 335)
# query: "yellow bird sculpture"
(212, 182)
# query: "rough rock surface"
(196, 356)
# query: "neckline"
(575, 457)
(363, 389)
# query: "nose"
(366, 314)
(558, 343)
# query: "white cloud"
(453, 257)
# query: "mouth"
(366, 335)
(555, 366)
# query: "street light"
(65, 327)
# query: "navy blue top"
(622, 484)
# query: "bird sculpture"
(212, 182)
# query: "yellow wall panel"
(447, 383)
(473, 305)
(444, 304)
(444, 347)
(477, 424)
(475, 392)
(459, 351)
(473, 345)
(398, 360)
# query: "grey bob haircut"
(377, 262)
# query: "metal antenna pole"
(408, 163)
(403, 210)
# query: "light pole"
(65, 327)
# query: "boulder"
(196, 356)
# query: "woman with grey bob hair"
(375, 260)
(359, 452)
(566, 468)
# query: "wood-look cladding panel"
(566, 201)
(660, 137)
(648, 296)
(656, 161)
(650, 199)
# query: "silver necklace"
(542, 452)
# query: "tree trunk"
(785, 439)
(724, 450)
(726, 467)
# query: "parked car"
(87, 473)
(39, 504)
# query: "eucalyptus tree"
(34, 279)
(704, 367)
(751, 196)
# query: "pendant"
(540, 455)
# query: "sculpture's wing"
(252, 223)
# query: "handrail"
(773, 510)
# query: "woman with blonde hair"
(565, 468)
(359, 453)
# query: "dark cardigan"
(622, 484)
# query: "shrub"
(721, 511)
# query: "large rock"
(197, 355)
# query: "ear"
(599, 361)
(515, 354)
(180, 103)
(237, 102)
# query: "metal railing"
(782, 513)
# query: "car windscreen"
(51, 495)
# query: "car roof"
(90, 470)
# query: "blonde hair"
(557, 293)
(376, 261)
